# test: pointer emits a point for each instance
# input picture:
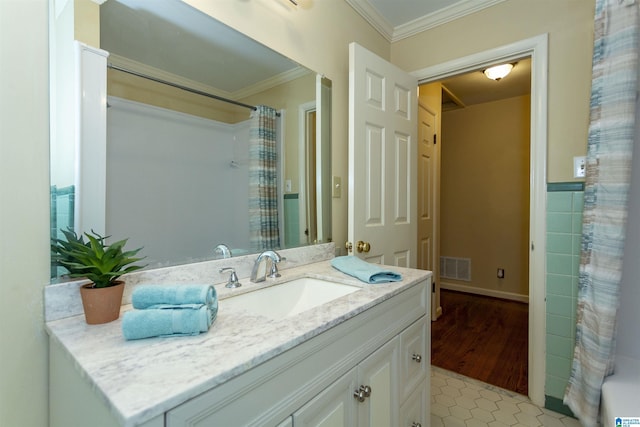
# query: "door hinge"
(435, 138)
(433, 287)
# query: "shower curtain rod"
(185, 88)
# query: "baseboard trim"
(485, 292)
(556, 405)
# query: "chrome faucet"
(224, 250)
(273, 269)
(233, 278)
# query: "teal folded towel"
(367, 272)
(170, 310)
(145, 296)
(169, 321)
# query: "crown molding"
(442, 16)
(278, 79)
(423, 23)
(148, 70)
(263, 85)
(373, 17)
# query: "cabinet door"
(414, 356)
(334, 407)
(414, 412)
(379, 371)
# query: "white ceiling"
(171, 36)
(398, 19)
(474, 88)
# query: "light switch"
(579, 167)
(337, 187)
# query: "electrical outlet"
(579, 167)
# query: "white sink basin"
(288, 298)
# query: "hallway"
(483, 338)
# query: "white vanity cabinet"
(365, 396)
(333, 407)
(370, 369)
(415, 351)
(316, 381)
(369, 394)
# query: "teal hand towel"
(367, 272)
(146, 296)
(212, 309)
(165, 322)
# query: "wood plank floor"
(483, 338)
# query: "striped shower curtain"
(263, 198)
(609, 151)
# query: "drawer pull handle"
(417, 358)
(416, 425)
(362, 393)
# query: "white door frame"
(303, 111)
(537, 48)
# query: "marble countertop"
(141, 379)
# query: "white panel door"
(428, 200)
(382, 159)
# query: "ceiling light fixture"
(498, 72)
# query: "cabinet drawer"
(414, 356)
(415, 410)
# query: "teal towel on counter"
(367, 272)
(163, 322)
(145, 296)
(170, 310)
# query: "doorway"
(536, 48)
(484, 225)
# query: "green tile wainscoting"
(62, 216)
(564, 232)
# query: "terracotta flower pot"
(101, 305)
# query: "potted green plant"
(100, 263)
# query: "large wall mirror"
(178, 168)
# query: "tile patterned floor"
(458, 401)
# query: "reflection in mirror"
(178, 162)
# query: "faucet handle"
(273, 272)
(233, 278)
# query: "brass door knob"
(363, 246)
